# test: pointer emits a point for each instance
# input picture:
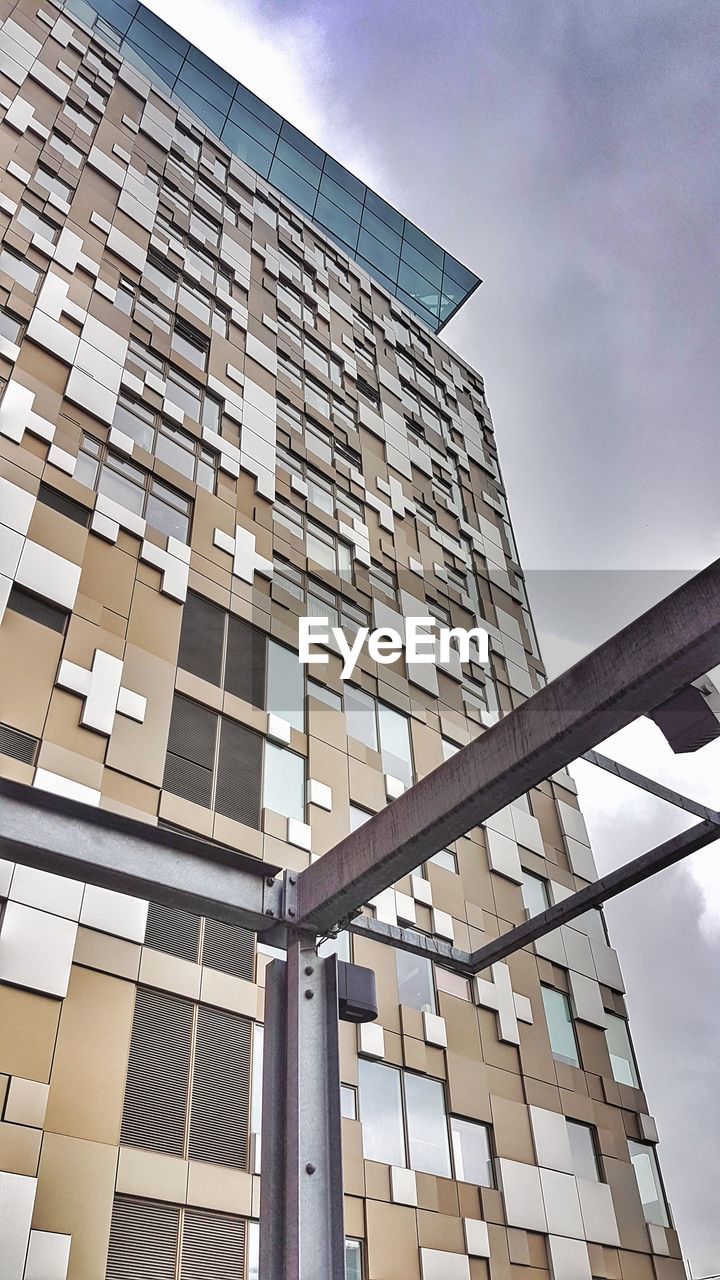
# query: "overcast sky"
(565, 151)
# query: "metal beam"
(67, 838)
(643, 665)
(609, 886)
(301, 1222)
(418, 944)
(651, 786)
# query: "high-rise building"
(224, 406)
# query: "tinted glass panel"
(649, 1185)
(471, 1152)
(620, 1050)
(293, 186)
(284, 782)
(247, 148)
(210, 115)
(286, 685)
(582, 1149)
(415, 981)
(381, 1114)
(560, 1026)
(427, 1126)
(328, 215)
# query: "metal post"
(301, 1213)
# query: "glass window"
(336, 220)
(353, 1260)
(561, 1027)
(395, 744)
(247, 147)
(471, 1152)
(360, 715)
(123, 483)
(621, 1053)
(168, 511)
(381, 1113)
(427, 1126)
(162, 277)
(535, 894)
(358, 817)
(184, 394)
(10, 328)
(136, 421)
(583, 1151)
(190, 346)
(301, 193)
(327, 696)
(446, 859)
(415, 981)
(649, 1185)
(34, 222)
(284, 782)
(20, 270)
(286, 685)
(348, 1102)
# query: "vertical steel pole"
(301, 1213)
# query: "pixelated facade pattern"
(213, 421)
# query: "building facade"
(224, 406)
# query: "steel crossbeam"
(631, 673)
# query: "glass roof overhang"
(396, 253)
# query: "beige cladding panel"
(88, 1078)
(74, 1197)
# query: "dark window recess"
(191, 752)
(246, 660)
(368, 390)
(173, 931)
(239, 773)
(209, 634)
(64, 505)
(155, 1108)
(229, 948)
(30, 606)
(18, 745)
(143, 1240)
(221, 1089)
(201, 638)
(213, 1244)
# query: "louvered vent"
(155, 1109)
(143, 1240)
(192, 732)
(191, 752)
(173, 931)
(246, 658)
(239, 774)
(368, 390)
(229, 948)
(213, 1247)
(221, 1089)
(48, 615)
(188, 780)
(18, 745)
(201, 638)
(64, 505)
